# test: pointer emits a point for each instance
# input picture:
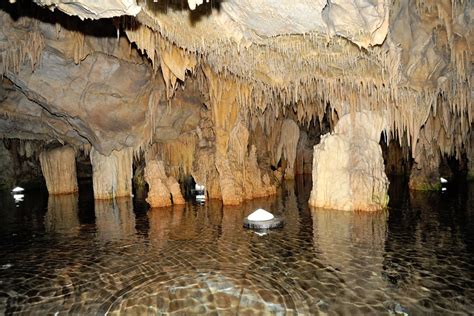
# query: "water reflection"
(426, 241)
(198, 259)
(62, 214)
(114, 219)
(351, 245)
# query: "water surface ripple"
(71, 255)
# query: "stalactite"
(290, 134)
(59, 170)
(19, 49)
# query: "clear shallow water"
(73, 255)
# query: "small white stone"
(443, 180)
(260, 215)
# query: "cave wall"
(230, 109)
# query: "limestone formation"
(111, 175)
(59, 170)
(348, 168)
(7, 179)
(92, 9)
(425, 174)
(225, 90)
(470, 158)
(163, 190)
(287, 146)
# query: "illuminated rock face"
(348, 168)
(163, 190)
(111, 175)
(264, 71)
(59, 170)
(93, 9)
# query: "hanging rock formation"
(287, 147)
(262, 73)
(59, 170)
(425, 170)
(348, 168)
(112, 175)
(163, 190)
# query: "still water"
(71, 255)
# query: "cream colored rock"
(112, 175)
(175, 191)
(158, 194)
(93, 9)
(287, 146)
(348, 168)
(163, 190)
(59, 170)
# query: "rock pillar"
(238, 176)
(348, 168)
(59, 170)
(290, 133)
(163, 190)
(112, 175)
(424, 173)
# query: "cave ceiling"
(408, 59)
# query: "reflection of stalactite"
(62, 215)
(114, 218)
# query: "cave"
(137, 136)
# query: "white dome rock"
(260, 215)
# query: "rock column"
(348, 168)
(112, 175)
(163, 190)
(59, 170)
(425, 174)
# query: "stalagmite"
(59, 170)
(348, 168)
(163, 190)
(112, 175)
(289, 136)
(425, 170)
